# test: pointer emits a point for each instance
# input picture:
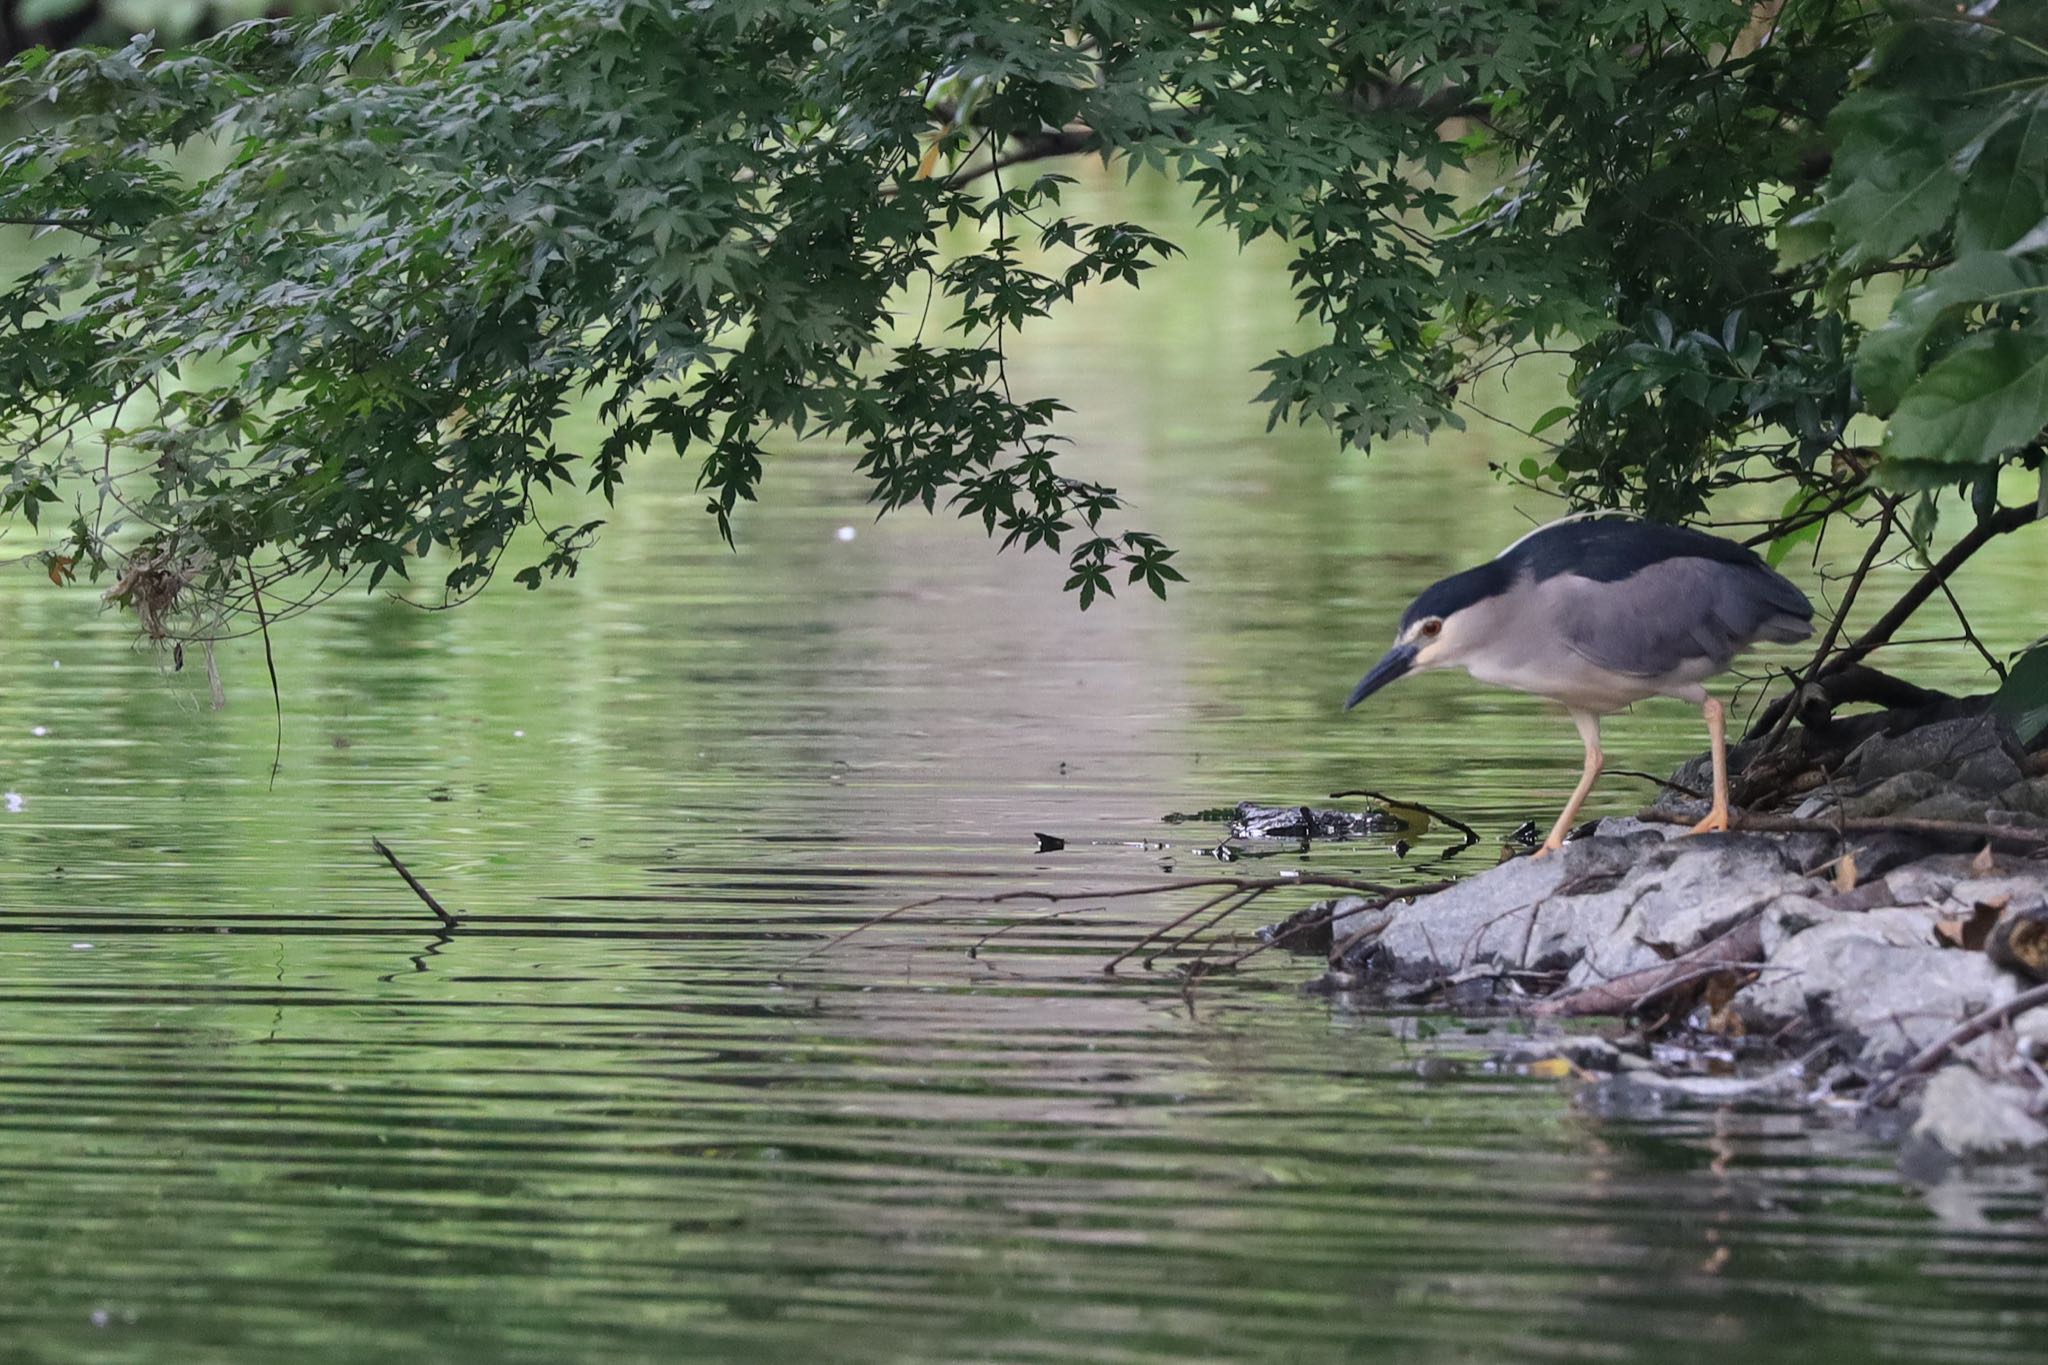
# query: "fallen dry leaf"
(1845, 873)
(1983, 862)
(1971, 933)
(1719, 997)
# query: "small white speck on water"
(519, 734)
(39, 730)
(56, 663)
(847, 533)
(15, 801)
(80, 947)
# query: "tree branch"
(1068, 141)
(1999, 523)
(76, 225)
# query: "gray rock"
(1621, 826)
(2009, 893)
(1922, 883)
(1683, 894)
(2029, 797)
(1878, 980)
(1893, 795)
(2015, 819)
(1978, 752)
(1970, 1115)
(1791, 915)
(1958, 805)
(1528, 912)
(1601, 907)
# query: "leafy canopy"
(424, 231)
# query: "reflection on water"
(254, 1106)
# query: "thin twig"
(269, 662)
(2007, 835)
(1733, 948)
(1663, 782)
(1221, 915)
(1970, 636)
(1990, 528)
(974, 952)
(1785, 526)
(1323, 879)
(447, 920)
(1109, 967)
(1778, 723)
(1471, 835)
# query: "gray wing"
(1677, 612)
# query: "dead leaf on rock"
(1983, 862)
(1722, 1017)
(1970, 934)
(1845, 873)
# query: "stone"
(1922, 883)
(1535, 913)
(1680, 896)
(2029, 797)
(1957, 805)
(1621, 826)
(1892, 795)
(1790, 915)
(1970, 1115)
(2006, 893)
(1977, 752)
(1878, 980)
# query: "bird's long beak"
(1396, 662)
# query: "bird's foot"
(1548, 849)
(1715, 823)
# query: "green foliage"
(429, 229)
(1941, 176)
(2023, 699)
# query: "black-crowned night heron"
(1600, 614)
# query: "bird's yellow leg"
(1589, 731)
(1717, 733)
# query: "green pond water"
(254, 1107)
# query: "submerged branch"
(1228, 887)
(426, 896)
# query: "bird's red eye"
(1432, 628)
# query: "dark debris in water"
(1212, 815)
(1252, 821)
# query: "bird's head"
(1441, 628)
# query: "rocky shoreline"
(1884, 943)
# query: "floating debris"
(1049, 843)
(1252, 821)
